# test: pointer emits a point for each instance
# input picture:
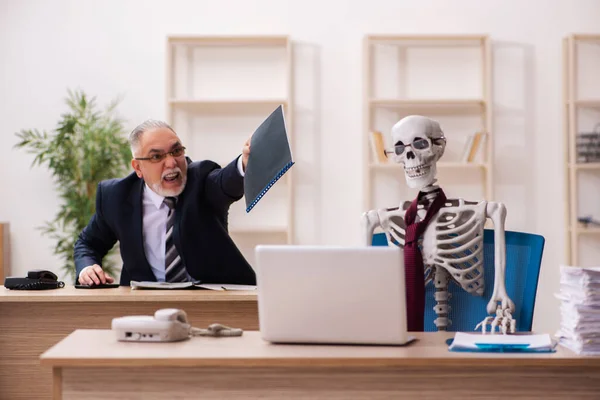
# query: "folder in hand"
(270, 158)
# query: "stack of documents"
(497, 343)
(580, 309)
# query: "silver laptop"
(329, 294)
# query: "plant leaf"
(87, 146)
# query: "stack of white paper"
(580, 309)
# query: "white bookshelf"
(211, 106)
(218, 91)
(440, 164)
(581, 111)
(447, 78)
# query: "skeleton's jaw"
(419, 176)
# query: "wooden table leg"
(57, 383)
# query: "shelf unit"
(218, 91)
(395, 88)
(581, 110)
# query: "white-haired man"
(169, 216)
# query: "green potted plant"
(87, 146)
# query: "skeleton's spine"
(431, 191)
(442, 297)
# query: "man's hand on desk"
(94, 274)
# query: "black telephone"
(37, 279)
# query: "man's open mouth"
(172, 176)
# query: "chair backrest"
(523, 261)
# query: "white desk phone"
(167, 325)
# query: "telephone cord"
(216, 330)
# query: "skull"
(418, 144)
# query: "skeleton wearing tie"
(442, 238)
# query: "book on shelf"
(378, 147)
(588, 220)
(474, 142)
(588, 146)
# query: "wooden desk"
(92, 364)
(33, 321)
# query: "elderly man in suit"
(169, 216)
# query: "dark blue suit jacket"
(200, 234)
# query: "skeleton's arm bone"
(497, 213)
(369, 221)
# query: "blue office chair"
(523, 261)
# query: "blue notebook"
(270, 158)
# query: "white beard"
(158, 189)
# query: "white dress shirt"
(155, 228)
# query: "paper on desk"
(579, 309)
(161, 285)
(189, 285)
(579, 271)
(587, 347)
(579, 276)
(217, 286)
(474, 341)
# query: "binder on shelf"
(270, 158)
(475, 141)
(467, 148)
(587, 145)
(378, 147)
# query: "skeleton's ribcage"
(453, 241)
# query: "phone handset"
(37, 279)
(171, 314)
(167, 325)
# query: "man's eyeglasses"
(158, 157)
(417, 144)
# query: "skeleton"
(503, 318)
(452, 244)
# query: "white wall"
(117, 47)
